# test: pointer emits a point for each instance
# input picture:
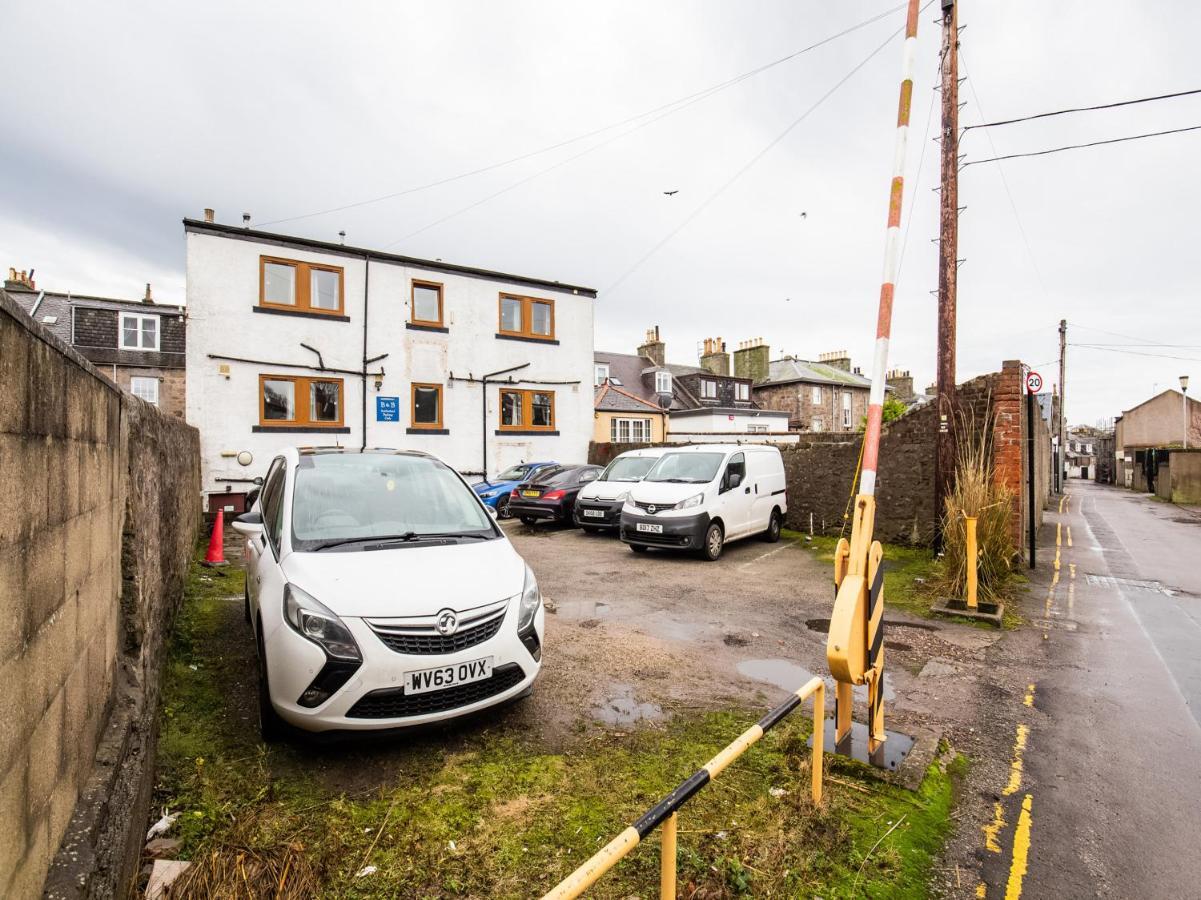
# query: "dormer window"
(662, 382)
(708, 389)
(743, 391)
(600, 374)
(138, 332)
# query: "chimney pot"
(149, 298)
(208, 214)
(245, 220)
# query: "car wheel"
(638, 548)
(271, 726)
(528, 520)
(714, 542)
(772, 534)
(502, 509)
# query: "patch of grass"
(490, 811)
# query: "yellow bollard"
(667, 859)
(971, 562)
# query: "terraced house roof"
(790, 369)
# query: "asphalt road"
(1104, 796)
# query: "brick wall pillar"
(1008, 427)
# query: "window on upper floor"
(522, 410)
(662, 382)
(600, 374)
(708, 389)
(815, 395)
(426, 305)
(846, 409)
(742, 391)
(146, 388)
(139, 332)
(291, 286)
(426, 406)
(530, 318)
(300, 401)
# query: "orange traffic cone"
(216, 552)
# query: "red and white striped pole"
(875, 409)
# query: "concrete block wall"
(1185, 476)
(80, 641)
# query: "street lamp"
(1184, 407)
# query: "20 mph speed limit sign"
(1034, 382)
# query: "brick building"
(139, 345)
(828, 395)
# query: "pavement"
(1102, 796)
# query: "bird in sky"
(670, 193)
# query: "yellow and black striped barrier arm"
(665, 810)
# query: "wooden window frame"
(304, 280)
(527, 410)
(303, 392)
(526, 332)
(414, 425)
(440, 322)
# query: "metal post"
(948, 264)
(971, 561)
(1030, 492)
(1060, 463)
(667, 858)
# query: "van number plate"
(425, 680)
(594, 513)
(650, 528)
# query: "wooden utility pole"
(1061, 462)
(948, 263)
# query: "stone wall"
(1185, 471)
(99, 506)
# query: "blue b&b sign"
(387, 409)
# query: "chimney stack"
(752, 360)
(653, 348)
(19, 281)
(838, 359)
(901, 383)
(148, 298)
(245, 220)
(714, 356)
(209, 215)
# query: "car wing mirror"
(492, 512)
(249, 524)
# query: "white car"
(598, 505)
(382, 594)
(703, 496)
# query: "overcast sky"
(121, 119)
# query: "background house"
(1145, 435)
(828, 395)
(139, 345)
(302, 342)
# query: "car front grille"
(419, 635)
(647, 507)
(393, 703)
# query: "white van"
(598, 506)
(699, 497)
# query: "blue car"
(495, 493)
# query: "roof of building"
(730, 411)
(790, 369)
(283, 240)
(1172, 391)
(611, 398)
(58, 305)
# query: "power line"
(1062, 112)
(1132, 337)
(749, 163)
(1133, 137)
(681, 103)
(1136, 353)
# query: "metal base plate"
(992, 613)
(889, 756)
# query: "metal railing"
(665, 811)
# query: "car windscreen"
(560, 477)
(686, 468)
(516, 473)
(627, 468)
(355, 499)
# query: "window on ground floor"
(630, 431)
(144, 387)
(522, 410)
(297, 400)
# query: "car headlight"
(313, 621)
(622, 497)
(531, 599)
(690, 502)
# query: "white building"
(716, 424)
(294, 341)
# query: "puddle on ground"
(622, 708)
(788, 676)
(578, 610)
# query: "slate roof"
(790, 369)
(52, 306)
(611, 398)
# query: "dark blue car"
(495, 493)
